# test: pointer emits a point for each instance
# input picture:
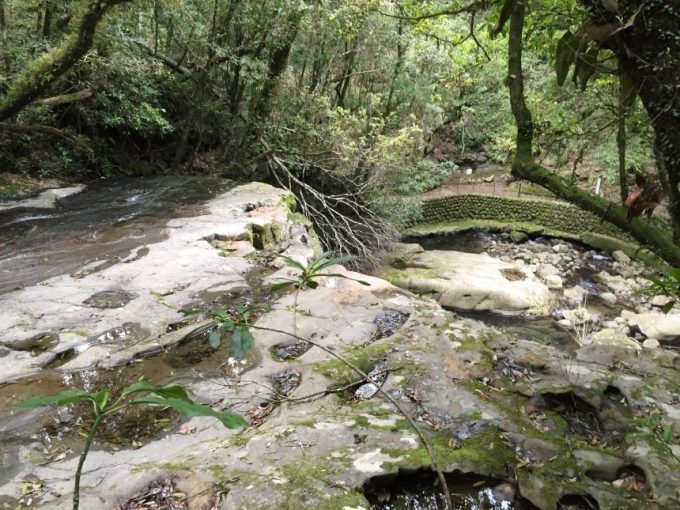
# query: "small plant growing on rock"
(174, 397)
(236, 321)
(309, 274)
(653, 427)
(307, 278)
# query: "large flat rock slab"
(469, 281)
(146, 289)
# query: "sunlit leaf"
(177, 392)
(292, 262)
(190, 409)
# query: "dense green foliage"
(368, 97)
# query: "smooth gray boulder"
(469, 281)
(664, 328)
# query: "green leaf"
(334, 262)
(282, 285)
(312, 284)
(241, 342)
(339, 275)
(190, 409)
(177, 392)
(215, 339)
(588, 66)
(292, 262)
(60, 399)
(565, 56)
(198, 331)
(669, 433)
(668, 307)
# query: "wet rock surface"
(538, 424)
(109, 299)
(470, 281)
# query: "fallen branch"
(65, 98)
(166, 61)
(342, 221)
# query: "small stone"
(577, 316)
(608, 299)
(553, 281)
(660, 301)
(504, 492)
(627, 314)
(565, 325)
(651, 343)
(621, 257)
(575, 294)
(547, 270)
(611, 337)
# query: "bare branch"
(472, 6)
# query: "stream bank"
(538, 424)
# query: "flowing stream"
(104, 224)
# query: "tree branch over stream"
(525, 167)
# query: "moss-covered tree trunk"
(649, 50)
(525, 167)
(45, 69)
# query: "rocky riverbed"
(514, 422)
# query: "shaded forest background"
(358, 105)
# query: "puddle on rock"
(290, 351)
(59, 429)
(419, 491)
(580, 418)
(543, 330)
(388, 323)
(129, 333)
(286, 381)
(110, 299)
(36, 344)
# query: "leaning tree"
(643, 36)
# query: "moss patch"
(486, 453)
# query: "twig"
(392, 400)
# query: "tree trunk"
(47, 18)
(650, 51)
(45, 69)
(278, 60)
(525, 167)
(401, 49)
(621, 113)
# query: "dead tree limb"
(65, 98)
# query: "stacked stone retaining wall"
(551, 214)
